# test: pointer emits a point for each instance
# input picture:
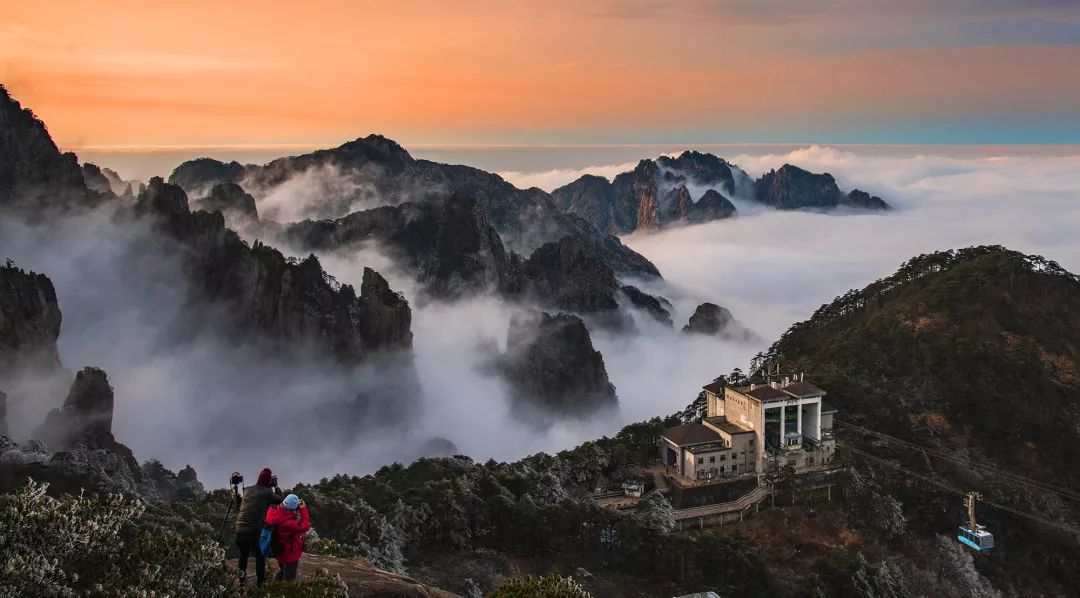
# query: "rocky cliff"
(289, 302)
(657, 307)
(565, 276)
(232, 201)
(551, 366)
(653, 195)
(197, 177)
(29, 321)
(376, 169)
(449, 244)
(86, 415)
(658, 193)
(792, 188)
(34, 175)
(714, 320)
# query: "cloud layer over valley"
(205, 401)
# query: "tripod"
(234, 499)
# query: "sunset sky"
(109, 73)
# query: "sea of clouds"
(769, 268)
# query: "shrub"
(528, 586)
(80, 545)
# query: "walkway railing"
(746, 501)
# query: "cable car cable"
(990, 469)
(955, 490)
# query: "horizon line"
(154, 148)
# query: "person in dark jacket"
(249, 522)
(292, 522)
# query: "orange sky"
(112, 73)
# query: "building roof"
(803, 388)
(692, 433)
(827, 408)
(717, 387)
(765, 393)
(712, 447)
(731, 428)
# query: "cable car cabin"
(979, 538)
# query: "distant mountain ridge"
(661, 193)
(377, 171)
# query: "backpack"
(269, 541)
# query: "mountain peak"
(377, 147)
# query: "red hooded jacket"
(290, 530)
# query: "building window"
(701, 460)
(712, 459)
(734, 467)
(723, 457)
(751, 442)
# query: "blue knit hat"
(291, 502)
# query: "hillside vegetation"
(974, 354)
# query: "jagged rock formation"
(657, 193)
(792, 188)
(657, 307)
(567, 277)
(33, 173)
(384, 315)
(29, 321)
(653, 195)
(232, 201)
(378, 169)
(287, 302)
(197, 177)
(86, 415)
(95, 179)
(448, 244)
(551, 365)
(711, 319)
(711, 206)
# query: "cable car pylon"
(973, 534)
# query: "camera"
(273, 481)
(236, 479)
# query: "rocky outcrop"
(95, 179)
(711, 206)
(287, 302)
(713, 320)
(657, 307)
(384, 315)
(676, 205)
(29, 321)
(449, 244)
(197, 177)
(86, 415)
(365, 581)
(865, 201)
(34, 175)
(653, 195)
(792, 188)
(566, 277)
(232, 201)
(376, 168)
(550, 365)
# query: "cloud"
(220, 405)
(549, 180)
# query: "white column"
(782, 414)
(798, 424)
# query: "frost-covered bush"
(92, 546)
(528, 586)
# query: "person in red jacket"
(292, 521)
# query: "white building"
(747, 426)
